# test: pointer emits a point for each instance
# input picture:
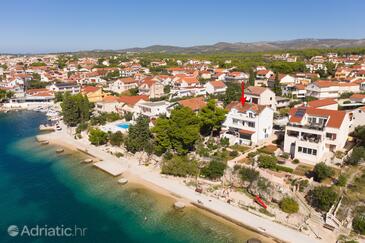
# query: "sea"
(51, 197)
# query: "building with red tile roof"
(194, 103)
(248, 124)
(312, 133)
(329, 104)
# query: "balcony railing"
(309, 126)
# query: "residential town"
(291, 153)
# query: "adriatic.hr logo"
(46, 231)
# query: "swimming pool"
(123, 125)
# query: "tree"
(97, 137)
(357, 155)
(58, 97)
(162, 138)
(321, 171)
(342, 180)
(214, 170)
(233, 93)
(167, 89)
(5, 94)
(249, 174)
(179, 166)
(75, 109)
(133, 91)
(116, 139)
(289, 205)
(358, 222)
(211, 118)
(179, 132)
(138, 135)
(267, 161)
(128, 116)
(322, 197)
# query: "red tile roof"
(335, 117)
(255, 90)
(110, 99)
(128, 80)
(89, 89)
(320, 103)
(217, 84)
(357, 96)
(193, 103)
(248, 106)
(132, 100)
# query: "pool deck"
(116, 126)
(112, 167)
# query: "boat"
(123, 181)
(45, 142)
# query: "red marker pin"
(243, 98)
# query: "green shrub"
(116, 139)
(284, 168)
(358, 222)
(214, 170)
(233, 153)
(267, 161)
(252, 154)
(322, 197)
(289, 205)
(97, 137)
(249, 174)
(295, 161)
(285, 155)
(341, 180)
(321, 171)
(179, 166)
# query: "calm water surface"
(40, 187)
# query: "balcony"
(311, 126)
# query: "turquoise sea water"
(40, 187)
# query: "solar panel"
(299, 113)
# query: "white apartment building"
(299, 90)
(261, 96)
(216, 87)
(123, 84)
(330, 89)
(73, 88)
(250, 124)
(313, 133)
(152, 109)
(357, 118)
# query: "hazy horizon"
(39, 26)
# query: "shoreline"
(173, 189)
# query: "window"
(251, 124)
(307, 151)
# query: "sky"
(39, 26)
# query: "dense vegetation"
(75, 109)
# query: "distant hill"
(297, 44)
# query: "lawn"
(302, 169)
(239, 148)
(269, 149)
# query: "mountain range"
(297, 44)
